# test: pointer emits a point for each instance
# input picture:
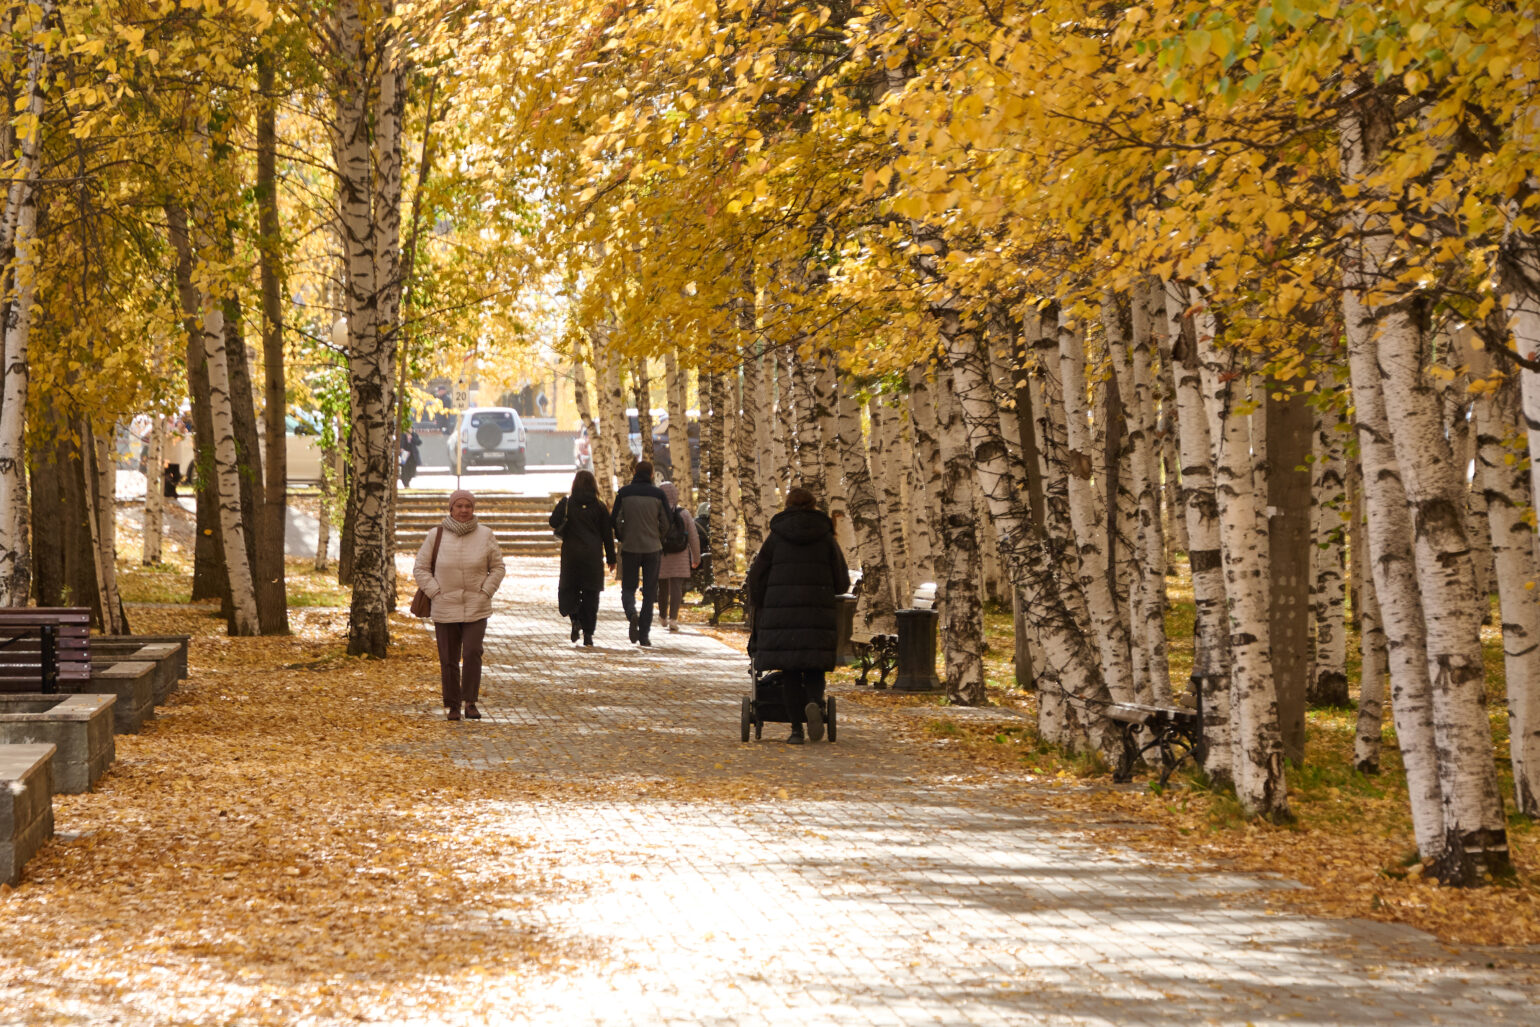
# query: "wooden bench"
(725, 597)
(1174, 732)
(45, 649)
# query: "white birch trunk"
(19, 245)
(749, 446)
(1053, 451)
(925, 497)
(883, 458)
(1475, 833)
(1089, 521)
(1177, 337)
(598, 444)
(1257, 739)
(1169, 447)
(105, 535)
(227, 484)
(331, 476)
(1374, 664)
(828, 393)
(612, 413)
(1131, 362)
(1390, 537)
(916, 511)
(876, 597)
(785, 435)
(1506, 479)
(1072, 694)
(674, 384)
(1328, 590)
(962, 613)
(154, 498)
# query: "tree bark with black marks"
(1177, 337)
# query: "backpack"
(678, 538)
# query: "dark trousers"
(584, 607)
(645, 565)
(672, 596)
(457, 642)
(800, 688)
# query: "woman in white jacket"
(461, 582)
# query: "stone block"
(133, 682)
(79, 726)
(180, 641)
(169, 658)
(26, 805)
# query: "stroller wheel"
(830, 721)
(745, 718)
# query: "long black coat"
(792, 585)
(586, 545)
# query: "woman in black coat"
(587, 545)
(792, 585)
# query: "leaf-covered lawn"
(1351, 843)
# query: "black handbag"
(560, 529)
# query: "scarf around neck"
(460, 527)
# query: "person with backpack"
(681, 555)
(583, 524)
(791, 588)
(640, 520)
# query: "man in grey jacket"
(640, 518)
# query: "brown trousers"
(454, 642)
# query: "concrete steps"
(521, 523)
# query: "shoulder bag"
(422, 605)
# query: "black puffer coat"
(586, 545)
(792, 585)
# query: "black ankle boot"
(796, 735)
(577, 629)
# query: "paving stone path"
(837, 884)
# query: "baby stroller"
(766, 702)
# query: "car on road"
(488, 436)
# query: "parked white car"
(488, 436)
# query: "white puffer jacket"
(468, 572)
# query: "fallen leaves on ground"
(1351, 844)
(274, 848)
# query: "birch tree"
(1257, 741)
(1505, 477)
(18, 243)
(1328, 486)
(876, 597)
(1388, 344)
(962, 614)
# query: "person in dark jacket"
(791, 587)
(640, 519)
(587, 546)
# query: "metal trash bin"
(917, 651)
(845, 624)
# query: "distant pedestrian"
(411, 456)
(640, 520)
(460, 567)
(587, 546)
(791, 588)
(675, 568)
(170, 478)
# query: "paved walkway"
(710, 882)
